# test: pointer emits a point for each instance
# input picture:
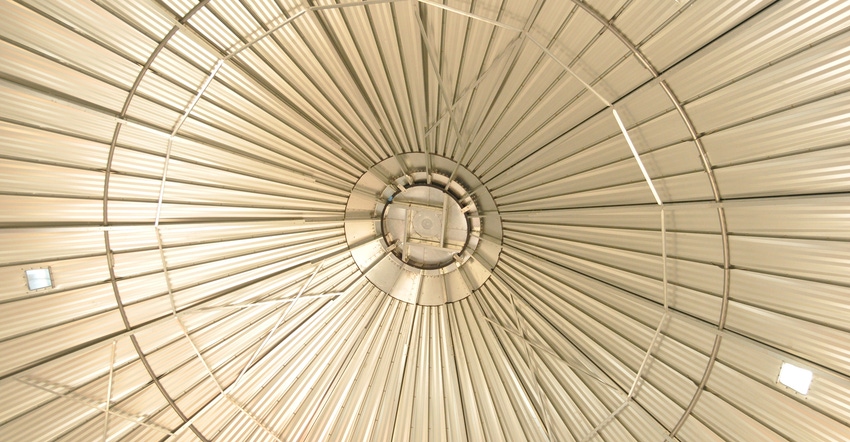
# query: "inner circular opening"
(425, 226)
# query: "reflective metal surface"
(424, 220)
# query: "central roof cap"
(423, 229)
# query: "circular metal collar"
(423, 229)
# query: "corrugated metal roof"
(183, 169)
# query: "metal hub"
(427, 225)
(418, 232)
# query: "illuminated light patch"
(795, 377)
(38, 279)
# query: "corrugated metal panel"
(796, 80)
(64, 46)
(27, 143)
(641, 17)
(47, 112)
(805, 128)
(693, 27)
(599, 321)
(778, 32)
(40, 73)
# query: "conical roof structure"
(441, 220)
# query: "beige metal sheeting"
(671, 182)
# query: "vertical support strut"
(107, 175)
(432, 57)
(721, 215)
(646, 357)
(520, 324)
(109, 391)
(279, 321)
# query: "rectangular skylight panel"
(38, 279)
(795, 377)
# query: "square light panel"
(38, 279)
(795, 377)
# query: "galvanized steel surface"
(192, 216)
